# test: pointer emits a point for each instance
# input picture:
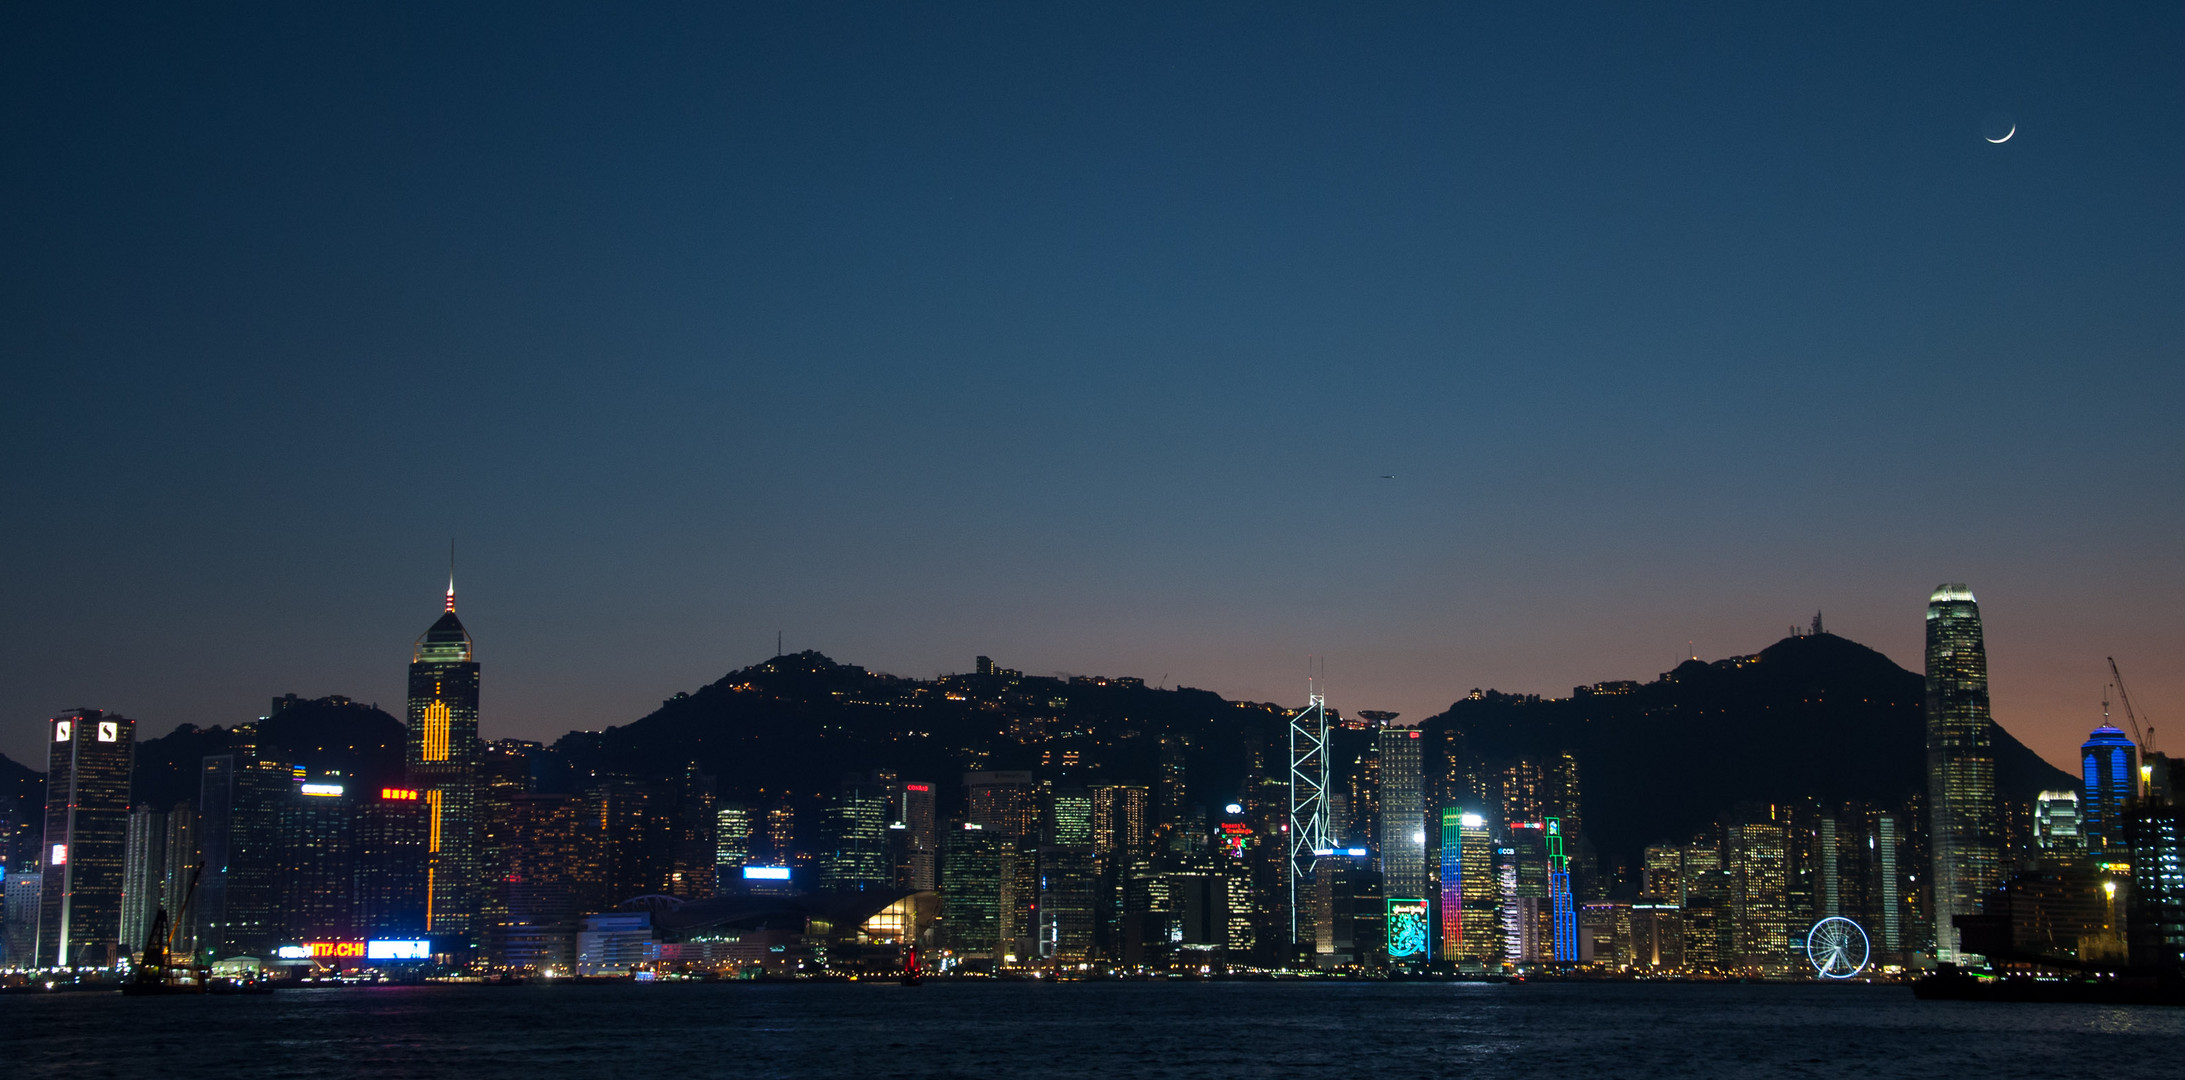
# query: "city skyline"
(485, 727)
(787, 824)
(1459, 347)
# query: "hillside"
(1809, 717)
(323, 735)
(802, 722)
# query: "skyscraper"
(2109, 771)
(143, 871)
(1403, 815)
(1757, 858)
(391, 835)
(732, 832)
(236, 912)
(855, 823)
(1564, 912)
(443, 756)
(921, 836)
(1960, 763)
(2056, 826)
(89, 755)
(317, 859)
(971, 873)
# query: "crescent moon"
(2006, 135)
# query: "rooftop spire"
(451, 573)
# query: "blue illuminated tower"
(1566, 915)
(2109, 768)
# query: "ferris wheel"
(1837, 947)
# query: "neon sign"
(404, 794)
(1235, 837)
(321, 790)
(766, 873)
(1407, 929)
(322, 950)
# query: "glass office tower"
(89, 755)
(443, 766)
(2109, 773)
(1960, 763)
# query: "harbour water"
(1109, 1030)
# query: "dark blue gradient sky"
(1080, 337)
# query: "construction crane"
(2145, 740)
(160, 972)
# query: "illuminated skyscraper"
(89, 755)
(732, 832)
(971, 880)
(1665, 873)
(1757, 858)
(543, 872)
(143, 870)
(1170, 792)
(1471, 893)
(1121, 820)
(1068, 902)
(921, 836)
(2109, 770)
(2154, 839)
(391, 835)
(2056, 825)
(443, 765)
(1001, 802)
(855, 822)
(1403, 815)
(1069, 819)
(317, 863)
(1960, 763)
(1563, 912)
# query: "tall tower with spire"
(443, 765)
(1966, 832)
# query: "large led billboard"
(1407, 929)
(766, 873)
(397, 950)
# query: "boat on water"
(1954, 984)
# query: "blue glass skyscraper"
(2109, 771)
(1565, 913)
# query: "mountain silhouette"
(1810, 717)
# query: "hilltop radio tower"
(1308, 792)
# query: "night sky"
(1081, 337)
